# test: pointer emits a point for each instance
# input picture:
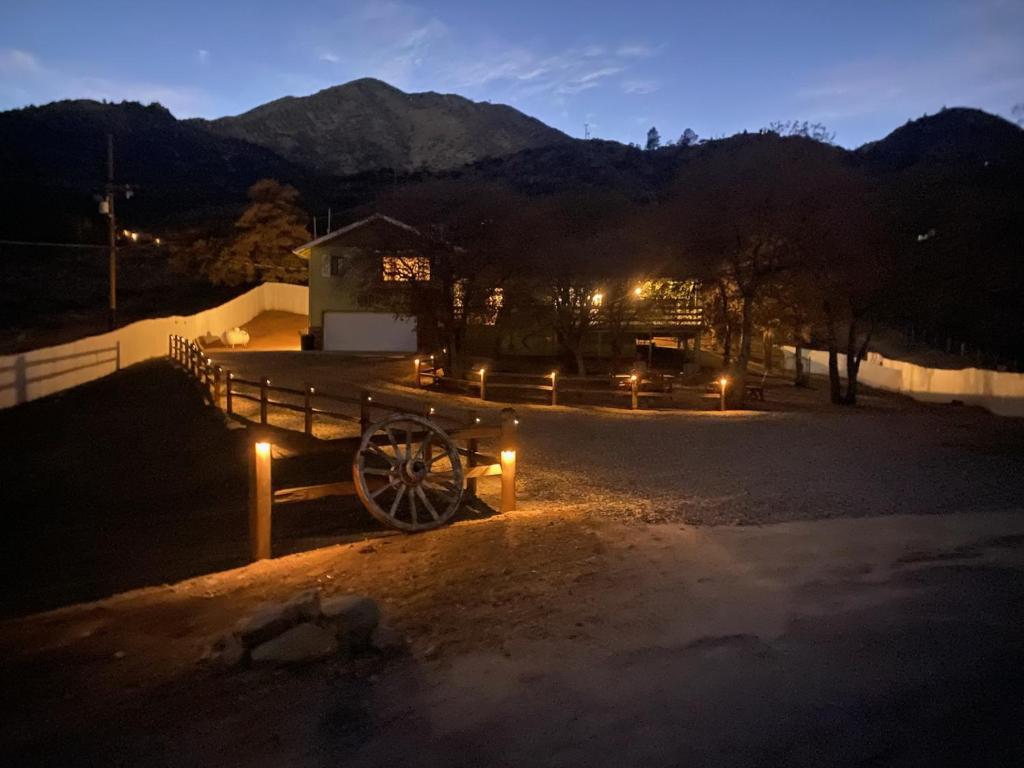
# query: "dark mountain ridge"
(367, 124)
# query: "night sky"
(863, 68)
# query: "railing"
(550, 385)
(222, 388)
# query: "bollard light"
(263, 450)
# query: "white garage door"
(368, 332)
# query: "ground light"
(723, 383)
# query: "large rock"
(354, 618)
(266, 623)
(306, 605)
(302, 643)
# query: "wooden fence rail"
(554, 383)
(222, 388)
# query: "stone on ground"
(301, 643)
(266, 623)
(306, 605)
(355, 618)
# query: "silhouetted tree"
(688, 138)
(653, 139)
(816, 131)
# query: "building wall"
(998, 391)
(361, 249)
(40, 372)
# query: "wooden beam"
(310, 492)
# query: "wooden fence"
(467, 428)
(637, 388)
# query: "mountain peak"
(368, 124)
(955, 134)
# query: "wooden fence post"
(509, 446)
(228, 404)
(264, 383)
(217, 379)
(364, 410)
(472, 446)
(554, 387)
(309, 409)
(260, 498)
(634, 387)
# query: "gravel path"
(889, 456)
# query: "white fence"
(40, 372)
(998, 391)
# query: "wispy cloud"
(416, 50)
(637, 51)
(24, 77)
(985, 69)
(14, 61)
(202, 56)
(640, 87)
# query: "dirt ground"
(620, 617)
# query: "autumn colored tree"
(265, 234)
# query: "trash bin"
(307, 342)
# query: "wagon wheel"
(407, 473)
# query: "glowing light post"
(554, 387)
(259, 501)
(483, 383)
(722, 383)
(416, 372)
(634, 391)
(509, 423)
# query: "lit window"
(405, 269)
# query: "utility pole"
(586, 130)
(112, 234)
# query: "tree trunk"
(835, 386)
(799, 377)
(727, 346)
(581, 366)
(738, 390)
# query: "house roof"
(305, 249)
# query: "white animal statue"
(236, 337)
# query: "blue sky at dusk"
(862, 68)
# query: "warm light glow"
(126, 232)
(263, 450)
(516, 422)
(368, 398)
(597, 299)
(135, 237)
(477, 419)
(638, 291)
(416, 361)
(554, 374)
(483, 371)
(157, 241)
(431, 410)
(633, 377)
(507, 456)
(312, 390)
(723, 382)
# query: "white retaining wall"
(998, 391)
(40, 372)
